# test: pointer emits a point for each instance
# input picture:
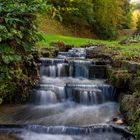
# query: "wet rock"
(119, 121)
(98, 71)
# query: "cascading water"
(70, 103)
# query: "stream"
(71, 102)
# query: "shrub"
(18, 34)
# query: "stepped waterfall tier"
(71, 102)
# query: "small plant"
(138, 73)
(135, 129)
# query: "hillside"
(51, 26)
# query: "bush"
(18, 34)
(105, 31)
(78, 12)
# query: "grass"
(131, 51)
(48, 38)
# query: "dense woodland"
(104, 17)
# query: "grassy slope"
(48, 38)
(52, 26)
(125, 51)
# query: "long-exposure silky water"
(71, 102)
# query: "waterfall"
(57, 73)
(72, 68)
(46, 97)
(71, 102)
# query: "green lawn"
(48, 38)
(132, 50)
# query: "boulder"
(134, 84)
(132, 66)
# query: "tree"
(108, 16)
(104, 17)
(79, 12)
(138, 25)
(127, 14)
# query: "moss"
(130, 107)
(129, 98)
(119, 78)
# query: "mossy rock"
(118, 78)
(48, 52)
(132, 66)
(134, 84)
(130, 108)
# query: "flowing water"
(71, 102)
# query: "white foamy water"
(68, 114)
(62, 81)
(97, 136)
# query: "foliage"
(138, 73)
(74, 11)
(127, 15)
(105, 17)
(109, 18)
(138, 25)
(119, 78)
(135, 129)
(136, 6)
(18, 34)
